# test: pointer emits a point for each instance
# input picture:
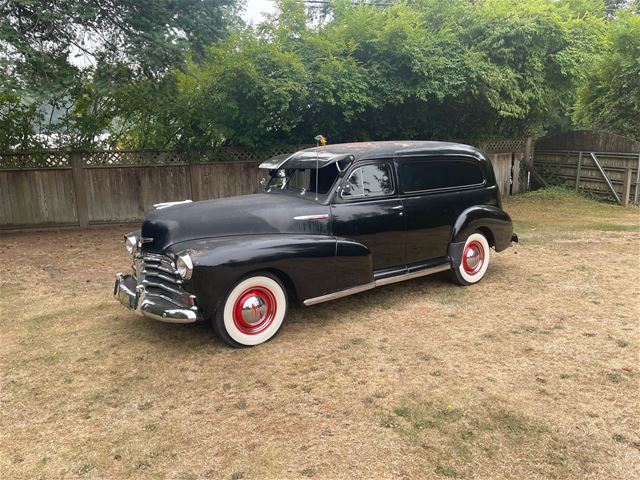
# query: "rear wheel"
(475, 260)
(252, 312)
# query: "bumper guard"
(134, 297)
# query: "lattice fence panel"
(113, 158)
(47, 159)
(504, 145)
(235, 154)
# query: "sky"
(255, 9)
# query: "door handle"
(399, 207)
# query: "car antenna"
(317, 174)
(320, 140)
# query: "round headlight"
(130, 242)
(184, 265)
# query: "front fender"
(480, 217)
(306, 262)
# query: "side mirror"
(346, 189)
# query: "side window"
(418, 175)
(369, 181)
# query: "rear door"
(432, 187)
(371, 212)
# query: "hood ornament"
(160, 206)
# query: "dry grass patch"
(481, 440)
(533, 373)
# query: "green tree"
(16, 123)
(80, 59)
(431, 69)
(609, 98)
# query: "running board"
(377, 283)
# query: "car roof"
(328, 154)
(396, 148)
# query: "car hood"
(257, 214)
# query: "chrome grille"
(158, 275)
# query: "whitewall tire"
(252, 312)
(475, 260)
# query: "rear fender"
(494, 221)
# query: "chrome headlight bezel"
(131, 243)
(184, 266)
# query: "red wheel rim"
(473, 257)
(254, 310)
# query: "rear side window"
(419, 175)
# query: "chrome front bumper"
(134, 297)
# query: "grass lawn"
(533, 373)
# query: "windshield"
(303, 180)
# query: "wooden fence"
(595, 162)
(59, 189)
(511, 160)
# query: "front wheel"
(474, 261)
(252, 312)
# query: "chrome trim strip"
(152, 273)
(322, 216)
(167, 288)
(163, 297)
(153, 266)
(410, 275)
(339, 294)
(377, 283)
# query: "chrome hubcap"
(473, 258)
(253, 310)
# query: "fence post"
(528, 154)
(635, 196)
(528, 160)
(579, 167)
(626, 192)
(193, 159)
(80, 189)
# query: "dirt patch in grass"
(533, 373)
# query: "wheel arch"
(284, 277)
(486, 231)
(492, 221)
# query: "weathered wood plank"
(79, 186)
(501, 163)
(588, 141)
(36, 197)
(572, 166)
(125, 194)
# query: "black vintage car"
(332, 221)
